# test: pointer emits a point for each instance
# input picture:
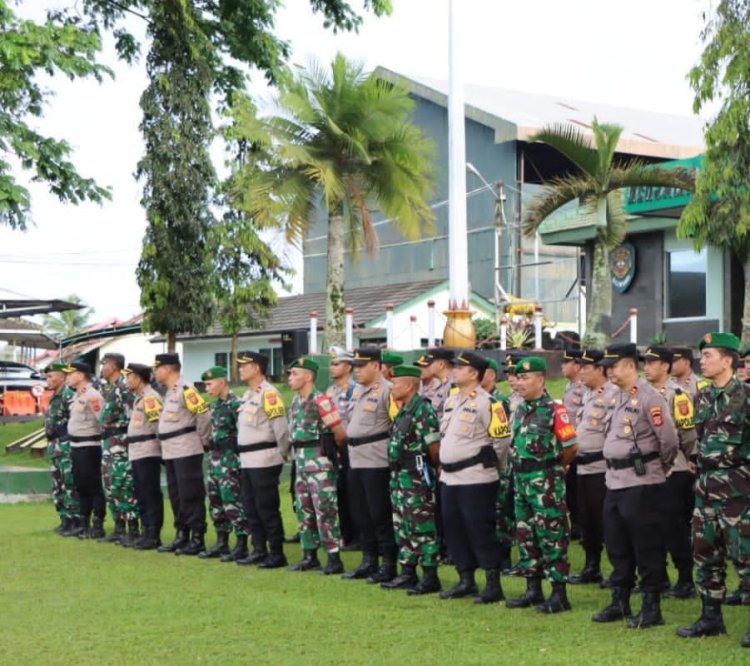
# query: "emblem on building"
(622, 266)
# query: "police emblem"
(622, 266)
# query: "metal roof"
(15, 307)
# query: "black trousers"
(370, 501)
(679, 501)
(571, 494)
(348, 527)
(260, 497)
(469, 522)
(87, 476)
(147, 482)
(633, 524)
(591, 491)
(187, 493)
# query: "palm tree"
(597, 183)
(341, 140)
(69, 322)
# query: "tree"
(597, 182)
(342, 142)
(719, 213)
(28, 49)
(69, 322)
(176, 265)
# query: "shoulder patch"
(273, 405)
(327, 410)
(152, 406)
(683, 411)
(194, 401)
(564, 429)
(393, 408)
(499, 426)
(657, 416)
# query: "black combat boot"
(150, 539)
(133, 535)
(221, 547)
(334, 565)
(734, 599)
(97, 528)
(181, 540)
(256, 557)
(275, 560)
(618, 609)
(195, 546)
(309, 562)
(591, 572)
(650, 615)
(406, 579)
(746, 640)
(76, 527)
(116, 536)
(493, 591)
(386, 573)
(710, 623)
(532, 597)
(64, 525)
(239, 552)
(466, 587)
(367, 567)
(557, 602)
(684, 588)
(505, 562)
(429, 584)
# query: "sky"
(636, 56)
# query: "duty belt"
(486, 457)
(588, 458)
(260, 446)
(113, 432)
(133, 439)
(524, 465)
(306, 444)
(409, 463)
(368, 439)
(176, 433)
(224, 444)
(625, 463)
(77, 439)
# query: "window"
(221, 359)
(686, 283)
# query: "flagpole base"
(459, 330)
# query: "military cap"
(422, 361)
(216, 372)
(340, 355)
(365, 355)
(55, 366)
(721, 340)
(245, 357)
(492, 364)
(682, 352)
(440, 354)
(78, 366)
(119, 359)
(140, 369)
(531, 364)
(511, 360)
(657, 353)
(472, 360)
(305, 364)
(166, 359)
(591, 356)
(407, 371)
(571, 355)
(389, 358)
(615, 352)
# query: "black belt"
(260, 446)
(625, 463)
(133, 439)
(414, 463)
(306, 444)
(176, 433)
(224, 444)
(113, 432)
(524, 465)
(76, 439)
(486, 457)
(368, 439)
(588, 458)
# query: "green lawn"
(74, 602)
(10, 432)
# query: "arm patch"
(684, 411)
(499, 424)
(194, 401)
(328, 412)
(564, 429)
(152, 406)
(273, 405)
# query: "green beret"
(722, 340)
(407, 371)
(217, 372)
(305, 364)
(389, 358)
(492, 363)
(56, 366)
(531, 364)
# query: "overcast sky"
(636, 56)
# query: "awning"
(17, 307)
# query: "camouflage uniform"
(223, 486)
(721, 522)
(412, 483)
(64, 494)
(315, 485)
(541, 429)
(117, 474)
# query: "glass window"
(221, 359)
(686, 283)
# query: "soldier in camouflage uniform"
(315, 427)
(223, 486)
(64, 493)
(721, 522)
(544, 440)
(413, 456)
(117, 474)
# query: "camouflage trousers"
(721, 531)
(317, 505)
(119, 488)
(413, 502)
(223, 490)
(504, 507)
(542, 527)
(64, 493)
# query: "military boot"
(367, 567)
(116, 536)
(710, 623)
(591, 572)
(85, 528)
(195, 546)
(133, 535)
(257, 556)
(466, 587)
(64, 525)
(532, 597)
(557, 602)
(275, 560)
(650, 615)
(618, 609)
(493, 591)
(221, 547)
(683, 589)
(97, 528)
(387, 571)
(309, 562)
(76, 527)
(746, 640)
(406, 579)
(734, 599)
(429, 584)
(334, 565)
(181, 540)
(150, 539)
(239, 551)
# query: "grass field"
(73, 602)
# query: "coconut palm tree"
(69, 322)
(597, 183)
(341, 141)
